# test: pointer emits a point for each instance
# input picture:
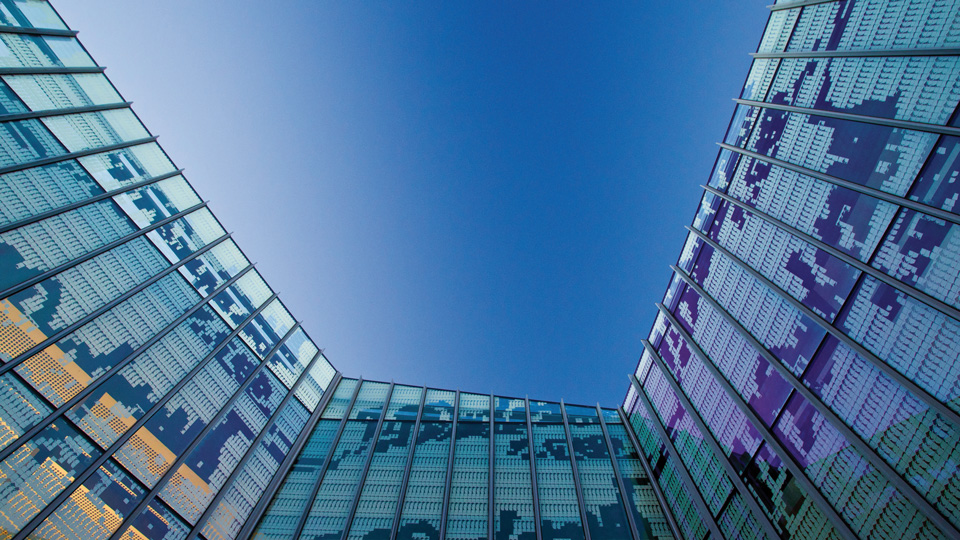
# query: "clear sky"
(474, 195)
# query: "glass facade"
(800, 380)
(801, 376)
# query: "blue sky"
(482, 196)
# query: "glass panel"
(467, 516)
(239, 300)
(292, 357)
(422, 505)
(404, 403)
(156, 202)
(510, 410)
(512, 493)
(328, 514)
(316, 383)
(92, 130)
(155, 522)
(939, 183)
(438, 405)
(581, 415)
(474, 407)
(370, 401)
(337, 407)
(251, 481)
(29, 14)
(290, 501)
(643, 503)
(126, 166)
(19, 50)
(96, 509)
(378, 501)
(544, 411)
(559, 509)
(736, 520)
(27, 193)
(601, 496)
(49, 92)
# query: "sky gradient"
(484, 196)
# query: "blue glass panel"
(63, 91)
(512, 493)
(474, 407)
(467, 516)
(156, 522)
(370, 401)
(340, 400)
(642, 500)
(30, 192)
(404, 403)
(559, 509)
(736, 520)
(29, 14)
(18, 50)
(423, 503)
(510, 410)
(606, 517)
(544, 411)
(281, 517)
(328, 515)
(938, 185)
(845, 478)
(378, 501)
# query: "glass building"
(801, 380)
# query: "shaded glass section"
(404, 403)
(378, 500)
(601, 494)
(328, 515)
(370, 401)
(290, 502)
(438, 405)
(642, 500)
(467, 516)
(474, 407)
(423, 503)
(512, 493)
(559, 510)
(340, 400)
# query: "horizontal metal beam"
(6, 29)
(796, 4)
(50, 70)
(875, 120)
(62, 112)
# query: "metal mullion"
(654, 483)
(406, 470)
(96, 252)
(165, 478)
(627, 500)
(868, 453)
(58, 410)
(102, 196)
(876, 120)
(326, 463)
(711, 441)
(491, 482)
(933, 51)
(831, 329)
(449, 479)
(795, 468)
(533, 471)
(52, 70)
(106, 307)
(288, 461)
(274, 418)
(366, 466)
(75, 155)
(576, 474)
(796, 4)
(853, 186)
(6, 29)
(681, 467)
(62, 112)
(112, 449)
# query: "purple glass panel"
(939, 183)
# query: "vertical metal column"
(326, 463)
(491, 519)
(627, 500)
(453, 445)
(406, 471)
(576, 472)
(366, 466)
(664, 506)
(258, 510)
(533, 471)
